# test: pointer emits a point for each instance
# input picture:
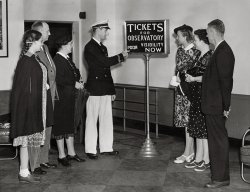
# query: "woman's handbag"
(173, 81)
(82, 96)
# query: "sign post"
(147, 38)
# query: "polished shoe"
(36, 176)
(29, 179)
(75, 157)
(39, 171)
(203, 167)
(184, 158)
(92, 156)
(48, 165)
(217, 184)
(194, 164)
(64, 161)
(110, 153)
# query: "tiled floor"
(128, 172)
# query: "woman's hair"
(28, 38)
(188, 34)
(63, 40)
(202, 35)
(37, 25)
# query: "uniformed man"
(102, 91)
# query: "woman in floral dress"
(186, 58)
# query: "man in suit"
(102, 92)
(216, 97)
(45, 57)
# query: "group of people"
(43, 100)
(204, 81)
(44, 94)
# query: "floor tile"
(138, 178)
(143, 165)
(133, 189)
(75, 188)
(127, 172)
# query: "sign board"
(147, 36)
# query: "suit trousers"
(43, 156)
(99, 107)
(218, 145)
(33, 157)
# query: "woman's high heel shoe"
(64, 161)
(184, 158)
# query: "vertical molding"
(239, 119)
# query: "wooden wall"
(237, 124)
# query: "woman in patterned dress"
(28, 105)
(186, 57)
(197, 122)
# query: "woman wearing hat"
(197, 121)
(68, 82)
(186, 57)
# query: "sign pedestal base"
(148, 149)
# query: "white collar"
(63, 55)
(218, 44)
(189, 46)
(97, 41)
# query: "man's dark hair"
(218, 25)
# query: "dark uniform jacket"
(99, 81)
(217, 82)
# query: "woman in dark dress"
(197, 122)
(28, 105)
(67, 79)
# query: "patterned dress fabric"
(197, 121)
(185, 60)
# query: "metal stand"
(148, 149)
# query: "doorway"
(57, 30)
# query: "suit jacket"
(217, 82)
(51, 70)
(99, 81)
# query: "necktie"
(104, 49)
(47, 55)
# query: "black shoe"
(29, 179)
(92, 156)
(64, 161)
(39, 171)
(48, 165)
(110, 153)
(217, 184)
(75, 157)
(36, 176)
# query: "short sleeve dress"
(197, 124)
(185, 60)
